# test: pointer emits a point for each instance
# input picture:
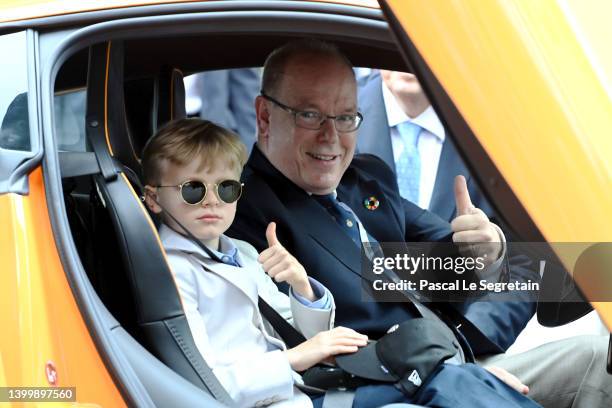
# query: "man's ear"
(263, 119)
(150, 195)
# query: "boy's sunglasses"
(193, 192)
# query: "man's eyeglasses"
(193, 192)
(314, 120)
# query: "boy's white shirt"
(220, 303)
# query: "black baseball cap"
(407, 354)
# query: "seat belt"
(290, 335)
(338, 398)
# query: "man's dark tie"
(345, 218)
(348, 223)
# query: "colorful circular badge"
(371, 203)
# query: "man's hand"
(508, 378)
(472, 226)
(283, 267)
(339, 340)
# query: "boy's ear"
(263, 118)
(150, 195)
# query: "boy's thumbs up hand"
(472, 226)
(271, 234)
(282, 266)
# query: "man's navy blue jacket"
(327, 253)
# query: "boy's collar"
(172, 240)
(228, 249)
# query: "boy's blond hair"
(182, 141)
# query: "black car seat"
(149, 104)
(158, 317)
(169, 98)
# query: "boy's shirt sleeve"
(323, 298)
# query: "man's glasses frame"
(314, 120)
(204, 187)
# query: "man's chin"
(322, 188)
(314, 183)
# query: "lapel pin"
(371, 203)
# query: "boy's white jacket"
(220, 303)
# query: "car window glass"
(14, 124)
(69, 115)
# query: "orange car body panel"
(541, 111)
(14, 10)
(41, 321)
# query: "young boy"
(191, 170)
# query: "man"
(307, 121)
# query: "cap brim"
(365, 363)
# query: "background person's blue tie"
(345, 219)
(408, 165)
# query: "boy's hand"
(339, 340)
(283, 267)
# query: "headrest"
(111, 101)
(169, 97)
(138, 108)
(139, 111)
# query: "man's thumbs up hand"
(282, 266)
(472, 226)
(462, 197)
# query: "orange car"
(524, 87)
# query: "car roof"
(147, 52)
(15, 10)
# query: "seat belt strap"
(338, 399)
(290, 335)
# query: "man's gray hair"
(277, 60)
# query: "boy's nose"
(210, 198)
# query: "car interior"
(109, 98)
(113, 88)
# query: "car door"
(524, 88)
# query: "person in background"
(403, 129)
(225, 97)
